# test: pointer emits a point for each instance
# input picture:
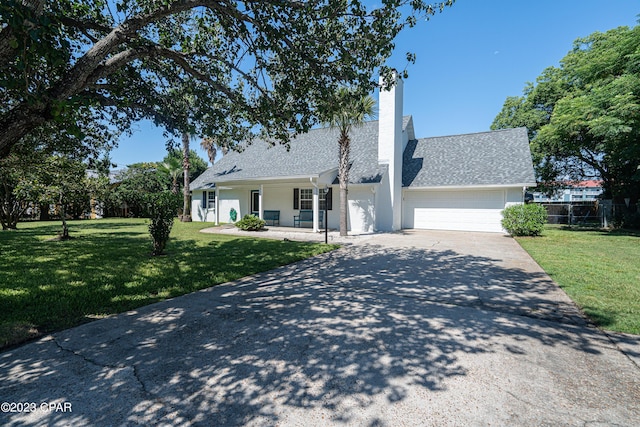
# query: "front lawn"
(48, 285)
(599, 270)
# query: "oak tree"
(248, 66)
(584, 116)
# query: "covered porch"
(289, 203)
(293, 234)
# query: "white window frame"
(306, 203)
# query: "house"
(396, 180)
(572, 191)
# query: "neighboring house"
(459, 182)
(572, 191)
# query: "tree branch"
(7, 35)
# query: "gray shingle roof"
(479, 159)
(488, 158)
(310, 154)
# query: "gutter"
(469, 187)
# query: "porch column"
(260, 210)
(217, 206)
(316, 205)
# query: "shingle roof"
(488, 158)
(310, 154)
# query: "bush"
(524, 220)
(161, 209)
(625, 218)
(250, 223)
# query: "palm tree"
(211, 146)
(350, 111)
(186, 208)
(173, 167)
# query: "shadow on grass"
(603, 319)
(602, 231)
(52, 285)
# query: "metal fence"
(601, 213)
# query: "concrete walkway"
(415, 328)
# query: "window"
(208, 199)
(306, 198)
(255, 202)
(303, 199)
(324, 198)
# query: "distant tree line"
(58, 186)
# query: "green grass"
(599, 270)
(48, 285)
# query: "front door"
(255, 202)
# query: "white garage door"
(476, 210)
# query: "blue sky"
(469, 60)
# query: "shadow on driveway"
(366, 335)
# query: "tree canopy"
(584, 116)
(91, 67)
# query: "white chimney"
(390, 148)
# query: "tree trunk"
(186, 208)
(343, 177)
(63, 215)
(44, 212)
(9, 216)
(175, 187)
(10, 210)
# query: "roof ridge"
(473, 133)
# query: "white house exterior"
(396, 181)
(572, 191)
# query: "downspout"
(260, 210)
(315, 206)
(217, 206)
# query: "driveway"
(413, 328)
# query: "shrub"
(161, 209)
(250, 223)
(524, 220)
(624, 217)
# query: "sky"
(470, 59)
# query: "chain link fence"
(599, 213)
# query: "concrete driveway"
(414, 328)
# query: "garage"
(462, 210)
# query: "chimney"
(390, 147)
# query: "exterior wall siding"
(362, 214)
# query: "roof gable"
(491, 158)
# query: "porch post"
(217, 206)
(260, 211)
(316, 211)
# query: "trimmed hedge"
(524, 220)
